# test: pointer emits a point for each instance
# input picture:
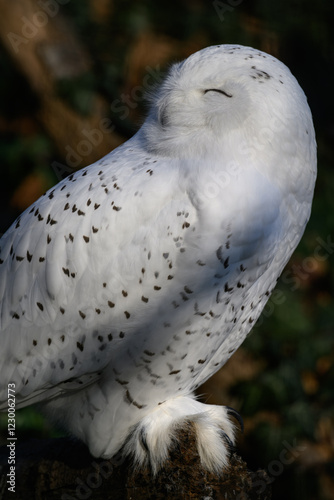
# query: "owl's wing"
(89, 270)
(80, 266)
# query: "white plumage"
(132, 281)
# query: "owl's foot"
(156, 433)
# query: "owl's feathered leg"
(152, 438)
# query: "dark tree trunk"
(45, 48)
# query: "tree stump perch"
(63, 469)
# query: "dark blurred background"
(73, 78)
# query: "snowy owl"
(133, 280)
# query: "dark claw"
(143, 442)
(227, 441)
(236, 415)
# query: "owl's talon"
(236, 415)
(228, 441)
(157, 432)
(143, 441)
